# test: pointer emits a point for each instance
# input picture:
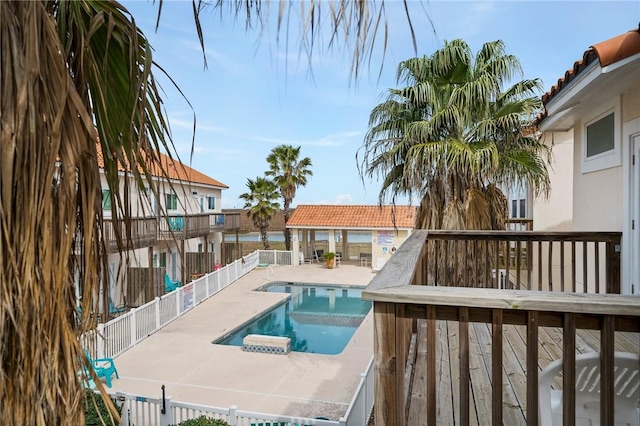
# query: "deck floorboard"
(514, 369)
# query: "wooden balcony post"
(496, 367)
(607, 364)
(532, 368)
(389, 369)
(151, 291)
(613, 265)
(569, 369)
(464, 365)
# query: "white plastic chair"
(627, 391)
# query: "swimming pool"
(317, 318)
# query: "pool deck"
(182, 357)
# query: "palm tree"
(289, 173)
(454, 136)
(74, 74)
(260, 200)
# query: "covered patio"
(361, 235)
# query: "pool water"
(318, 319)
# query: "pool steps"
(266, 344)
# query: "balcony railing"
(186, 226)
(587, 262)
(143, 234)
(480, 346)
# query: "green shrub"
(203, 421)
(93, 411)
(329, 255)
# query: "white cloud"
(333, 139)
(340, 199)
(337, 139)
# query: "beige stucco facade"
(595, 193)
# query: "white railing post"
(157, 301)
(166, 418)
(178, 313)
(134, 334)
(207, 288)
(124, 412)
(100, 338)
(365, 398)
(233, 421)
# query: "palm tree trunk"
(287, 231)
(265, 238)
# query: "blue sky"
(257, 93)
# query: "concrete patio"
(182, 357)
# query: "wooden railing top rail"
(599, 304)
(400, 268)
(522, 235)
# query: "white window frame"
(168, 205)
(106, 198)
(607, 159)
(209, 197)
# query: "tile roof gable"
(607, 52)
(173, 168)
(352, 216)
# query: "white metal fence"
(275, 257)
(143, 411)
(123, 332)
(116, 336)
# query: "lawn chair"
(114, 310)
(169, 284)
(176, 223)
(103, 367)
(626, 383)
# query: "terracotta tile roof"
(346, 216)
(607, 52)
(175, 169)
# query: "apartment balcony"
(465, 321)
(184, 227)
(143, 234)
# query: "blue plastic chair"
(115, 310)
(176, 223)
(103, 367)
(169, 284)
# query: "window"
(211, 203)
(518, 208)
(106, 199)
(601, 138)
(172, 202)
(163, 259)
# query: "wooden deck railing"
(143, 234)
(184, 226)
(402, 295)
(586, 262)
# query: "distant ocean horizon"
(278, 236)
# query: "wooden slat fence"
(139, 291)
(199, 263)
